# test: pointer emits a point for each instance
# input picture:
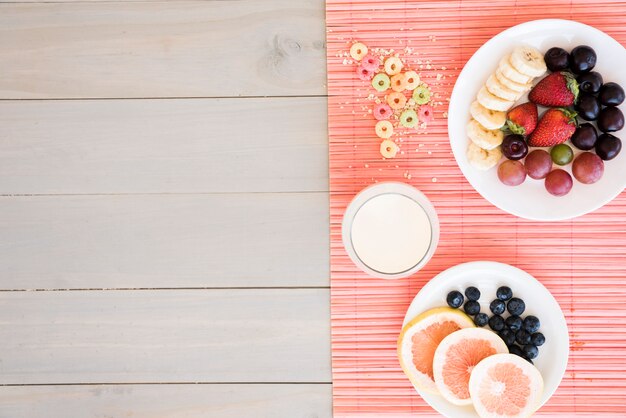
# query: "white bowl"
(530, 200)
(487, 276)
(387, 188)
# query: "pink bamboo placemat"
(581, 261)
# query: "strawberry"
(555, 127)
(522, 119)
(556, 90)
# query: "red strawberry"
(556, 90)
(522, 119)
(555, 127)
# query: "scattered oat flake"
(434, 179)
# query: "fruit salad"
(472, 358)
(389, 75)
(564, 112)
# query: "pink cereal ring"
(425, 113)
(370, 62)
(382, 111)
(364, 74)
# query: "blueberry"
(514, 323)
(481, 319)
(472, 307)
(522, 337)
(455, 299)
(497, 307)
(530, 351)
(537, 339)
(531, 324)
(472, 293)
(496, 323)
(516, 306)
(504, 293)
(514, 349)
(507, 336)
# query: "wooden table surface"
(164, 209)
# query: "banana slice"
(490, 119)
(512, 85)
(498, 89)
(485, 138)
(511, 73)
(492, 102)
(483, 159)
(527, 60)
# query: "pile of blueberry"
(521, 334)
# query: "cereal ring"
(408, 118)
(388, 148)
(364, 74)
(412, 80)
(396, 100)
(381, 82)
(393, 65)
(382, 111)
(398, 82)
(421, 95)
(425, 113)
(384, 129)
(358, 51)
(370, 62)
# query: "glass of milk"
(390, 230)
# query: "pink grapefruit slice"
(419, 340)
(505, 386)
(456, 357)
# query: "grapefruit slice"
(505, 386)
(456, 357)
(419, 340)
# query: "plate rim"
(452, 115)
(500, 267)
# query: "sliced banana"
(492, 102)
(511, 73)
(485, 138)
(500, 90)
(483, 159)
(512, 85)
(490, 119)
(527, 60)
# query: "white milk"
(391, 233)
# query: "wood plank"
(162, 49)
(168, 401)
(149, 241)
(145, 336)
(163, 146)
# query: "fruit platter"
(535, 120)
(484, 339)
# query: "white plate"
(530, 200)
(487, 276)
